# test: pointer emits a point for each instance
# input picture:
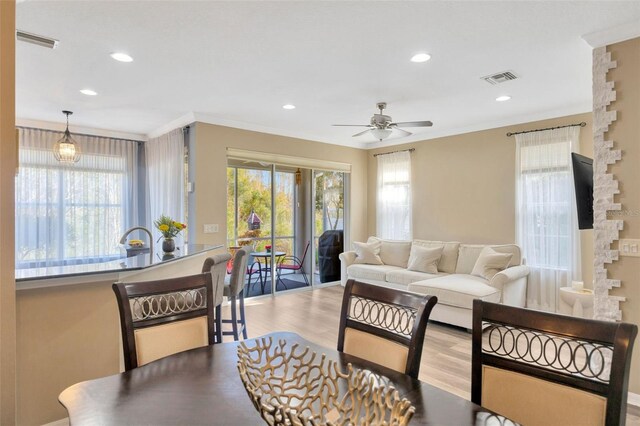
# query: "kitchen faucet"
(142, 228)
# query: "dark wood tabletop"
(202, 386)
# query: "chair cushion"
(449, 257)
(469, 253)
(371, 272)
(368, 253)
(406, 277)
(537, 402)
(376, 349)
(153, 343)
(457, 290)
(393, 252)
(424, 259)
(490, 263)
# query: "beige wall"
(464, 186)
(625, 132)
(7, 172)
(210, 157)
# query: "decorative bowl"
(289, 385)
(136, 243)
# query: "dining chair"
(539, 368)
(234, 290)
(293, 263)
(384, 326)
(162, 317)
(217, 266)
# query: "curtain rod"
(79, 134)
(548, 128)
(392, 152)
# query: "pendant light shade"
(66, 150)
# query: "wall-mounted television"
(583, 181)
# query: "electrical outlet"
(211, 228)
(628, 247)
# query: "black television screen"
(583, 180)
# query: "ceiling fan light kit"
(67, 150)
(382, 126)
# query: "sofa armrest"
(513, 284)
(346, 259)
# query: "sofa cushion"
(367, 253)
(449, 256)
(424, 259)
(468, 255)
(457, 290)
(393, 252)
(406, 277)
(490, 263)
(371, 272)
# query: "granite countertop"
(141, 261)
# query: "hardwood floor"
(446, 358)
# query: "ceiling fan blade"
(352, 125)
(414, 124)
(361, 133)
(404, 132)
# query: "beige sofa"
(453, 284)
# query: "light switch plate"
(211, 228)
(629, 247)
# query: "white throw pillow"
(490, 262)
(368, 253)
(424, 259)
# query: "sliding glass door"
(328, 224)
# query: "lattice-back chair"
(384, 326)
(217, 265)
(538, 368)
(163, 317)
(235, 292)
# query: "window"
(71, 214)
(393, 216)
(547, 229)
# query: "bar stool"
(234, 290)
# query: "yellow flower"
(178, 226)
(163, 227)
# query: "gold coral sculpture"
(295, 386)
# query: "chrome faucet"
(142, 228)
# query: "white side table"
(578, 303)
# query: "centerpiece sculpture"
(169, 229)
(294, 386)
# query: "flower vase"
(168, 245)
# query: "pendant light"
(66, 150)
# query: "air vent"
(500, 77)
(37, 39)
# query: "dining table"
(266, 260)
(203, 386)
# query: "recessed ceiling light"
(420, 57)
(88, 92)
(503, 98)
(289, 106)
(122, 57)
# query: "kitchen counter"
(113, 270)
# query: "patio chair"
(293, 263)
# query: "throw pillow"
(490, 262)
(424, 259)
(368, 253)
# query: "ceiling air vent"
(500, 77)
(39, 40)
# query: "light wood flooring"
(446, 358)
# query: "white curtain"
(73, 213)
(393, 210)
(547, 223)
(165, 179)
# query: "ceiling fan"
(382, 126)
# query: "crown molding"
(612, 35)
(182, 121)
(60, 127)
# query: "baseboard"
(633, 399)
(61, 422)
